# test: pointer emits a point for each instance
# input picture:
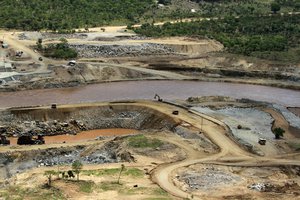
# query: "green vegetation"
(268, 39)
(278, 132)
(49, 175)
(160, 192)
(133, 172)
(275, 7)
(110, 185)
(58, 15)
(140, 141)
(60, 50)
(86, 186)
(223, 8)
(156, 192)
(121, 170)
(77, 166)
(16, 192)
(294, 145)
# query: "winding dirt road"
(230, 153)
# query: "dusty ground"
(197, 160)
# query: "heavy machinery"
(29, 140)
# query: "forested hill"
(68, 14)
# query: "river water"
(146, 90)
(82, 136)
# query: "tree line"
(68, 14)
(244, 35)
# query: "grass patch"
(141, 141)
(133, 191)
(17, 192)
(110, 185)
(133, 172)
(160, 192)
(101, 172)
(294, 145)
(86, 186)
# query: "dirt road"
(230, 153)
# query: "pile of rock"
(33, 128)
(92, 51)
(208, 177)
(51, 36)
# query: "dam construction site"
(127, 116)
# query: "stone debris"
(92, 51)
(288, 187)
(111, 152)
(261, 187)
(208, 177)
(49, 36)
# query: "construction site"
(148, 118)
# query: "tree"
(278, 132)
(49, 175)
(275, 7)
(122, 169)
(39, 44)
(77, 166)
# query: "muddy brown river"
(146, 90)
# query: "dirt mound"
(200, 47)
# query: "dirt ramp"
(201, 47)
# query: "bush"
(278, 132)
(60, 50)
(239, 35)
(140, 141)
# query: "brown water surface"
(82, 136)
(146, 90)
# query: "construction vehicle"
(157, 97)
(29, 140)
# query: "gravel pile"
(289, 116)
(247, 125)
(92, 51)
(37, 35)
(209, 177)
